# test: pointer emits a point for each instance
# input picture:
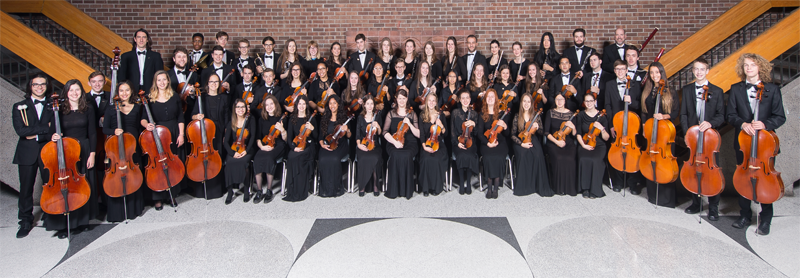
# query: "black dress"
(562, 160)
(217, 110)
(300, 165)
(591, 164)
(432, 166)
(490, 68)
(400, 181)
(168, 114)
(80, 126)
(134, 202)
(518, 69)
(368, 162)
(494, 159)
(330, 166)
(465, 159)
(666, 192)
(264, 161)
(514, 104)
(236, 168)
(529, 164)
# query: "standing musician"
(595, 81)
(266, 156)
(422, 81)
(139, 64)
(471, 59)
(494, 153)
(370, 162)
(753, 69)
(616, 51)
(534, 86)
(399, 80)
(378, 74)
(429, 55)
(288, 58)
(221, 70)
(247, 85)
(179, 74)
(478, 83)
(270, 58)
(31, 118)
(221, 40)
(519, 64)
(561, 153)
(99, 100)
(409, 56)
(547, 56)
(237, 163)
(385, 55)
(450, 57)
(466, 157)
(615, 102)
(335, 61)
(300, 161)
(292, 82)
(714, 107)
(323, 84)
(268, 87)
(197, 49)
(359, 60)
(330, 169)
(433, 164)
(215, 108)
(530, 166)
(400, 181)
(313, 57)
(591, 159)
(243, 59)
(578, 53)
(565, 77)
(495, 61)
(505, 83)
(668, 111)
(632, 61)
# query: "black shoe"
(62, 234)
(259, 196)
(617, 189)
(246, 197)
(741, 223)
(361, 194)
(462, 189)
(24, 230)
(229, 199)
(467, 189)
(268, 195)
(694, 208)
(425, 194)
(376, 193)
(636, 190)
(158, 208)
(489, 192)
(713, 216)
(494, 193)
(763, 228)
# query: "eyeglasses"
(295, 69)
(588, 101)
(38, 84)
(241, 107)
(209, 82)
(268, 44)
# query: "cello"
(657, 162)
(527, 134)
(204, 162)
(164, 169)
(239, 146)
(123, 176)
(756, 178)
(624, 154)
(701, 174)
(273, 134)
(491, 134)
(332, 140)
(436, 131)
(300, 140)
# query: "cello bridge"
(162, 160)
(63, 178)
(751, 167)
(123, 167)
(699, 162)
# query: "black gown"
(368, 162)
(80, 126)
(562, 160)
(330, 166)
(400, 181)
(465, 159)
(591, 164)
(667, 193)
(300, 165)
(518, 69)
(432, 166)
(529, 164)
(168, 114)
(236, 168)
(264, 161)
(134, 201)
(217, 110)
(494, 159)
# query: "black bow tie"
(197, 52)
(621, 47)
(621, 83)
(217, 69)
(362, 52)
(748, 86)
(36, 101)
(632, 71)
(470, 54)
(267, 57)
(698, 87)
(578, 48)
(182, 72)
(565, 75)
(141, 52)
(97, 95)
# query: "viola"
(182, 89)
(222, 89)
(300, 140)
(383, 90)
(204, 162)
(466, 131)
(452, 100)
(624, 154)
(701, 174)
(507, 97)
(590, 138)
(123, 176)
(436, 131)
(527, 134)
(249, 94)
(568, 94)
(369, 138)
(290, 100)
(421, 98)
(66, 189)
(332, 140)
(240, 146)
(363, 73)
(756, 178)
(402, 128)
(340, 71)
(491, 133)
(657, 162)
(269, 139)
(164, 169)
(564, 130)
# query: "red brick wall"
(171, 23)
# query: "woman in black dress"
(313, 57)
(77, 122)
(477, 86)
(495, 61)
(669, 110)
(330, 166)
(561, 153)
(591, 160)
(534, 85)
(335, 61)
(493, 153)
(429, 55)
(386, 56)
(216, 109)
(450, 90)
(432, 163)
(505, 83)
(466, 157)
(547, 56)
(292, 82)
(530, 166)
(400, 181)
(266, 156)
(450, 57)
(288, 58)
(323, 85)
(165, 105)
(410, 57)
(370, 162)
(422, 81)
(379, 73)
(237, 162)
(518, 65)
(300, 163)
(130, 113)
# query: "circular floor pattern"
(411, 247)
(31, 256)
(781, 247)
(625, 247)
(208, 249)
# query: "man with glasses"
(270, 58)
(243, 60)
(615, 102)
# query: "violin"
(204, 162)
(123, 176)
(290, 100)
(66, 190)
(564, 130)
(421, 98)
(300, 140)
(273, 134)
(240, 146)
(332, 140)
(269, 91)
(527, 134)
(590, 138)
(340, 71)
(164, 169)
(568, 94)
(222, 89)
(383, 90)
(354, 106)
(369, 138)
(701, 174)
(663, 166)
(436, 131)
(624, 154)
(452, 100)
(466, 131)
(537, 97)
(249, 94)
(756, 178)
(325, 96)
(507, 97)
(491, 133)
(182, 89)
(363, 73)
(402, 128)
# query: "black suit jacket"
(770, 110)
(174, 82)
(462, 70)
(555, 85)
(610, 55)
(355, 62)
(586, 84)
(27, 152)
(226, 69)
(229, 57)
(615, 104)
(714, 108)
(99, 110)
(259, 92)
(129, 69)
(575, 61)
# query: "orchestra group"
(565, 123)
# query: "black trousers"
(27, 179)
(747, 212)
(713, 201)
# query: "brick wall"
(171, 23)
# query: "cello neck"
(655, 121)
(121, 137)
(155, 131)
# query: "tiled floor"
(444, 236)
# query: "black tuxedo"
(575, 61)
(586, 84)
(555, 85)
(129, 69)
(260, 91)
(610, 55)
(770, 110)
(462, 70)
(638, 76)
(249, 61)
(228, 57)
(714, 108)
(99, 110)
(174, 82)
(26, 155)
(614, 103)
(355, 62)
(226, 69)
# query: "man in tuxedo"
(220, 69)
(270, 86)
(565, 77)
(359, 59)
(197, 53)
(595, 80)
(616, 51)
(100, 100)
(470, 59)
(578, 54)
(31, 119)
(270, 58)
(180, 73)
(139, 65)
(222, 40)
(614, 103)
(247, 84)
(243, 59)
(399, 81)
(692, 105)
(754, 70)
(632, 61)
